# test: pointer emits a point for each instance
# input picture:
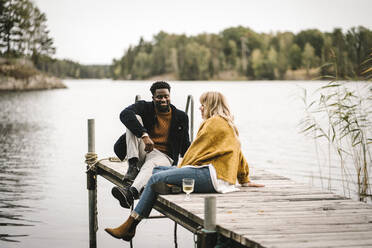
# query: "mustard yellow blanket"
(217, 144)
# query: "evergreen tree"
(23, 30)
(295, 57)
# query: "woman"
(214, 160)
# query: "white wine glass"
(188, 187)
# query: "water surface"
(43, 140)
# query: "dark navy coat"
(179, 140)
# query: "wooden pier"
(282, 214)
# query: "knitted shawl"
(217, 144)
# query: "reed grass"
(341, 116)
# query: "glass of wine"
(188, 187)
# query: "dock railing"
(190, 105)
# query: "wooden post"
(207, 237)
(210, 213)
(92, 188)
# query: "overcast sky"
(97, 31)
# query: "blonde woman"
(214, 160)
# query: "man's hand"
(149, 144)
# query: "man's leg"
(153, 159)
(136, 156)
(126, 196)
(135, 153)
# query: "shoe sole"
(165, 189)
(120, 197)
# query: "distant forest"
(234, 53)
(69, 69)
(245, 53)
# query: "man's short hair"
(159, 85)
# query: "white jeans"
(146, 161)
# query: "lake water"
(43, 140)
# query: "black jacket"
(179, 140)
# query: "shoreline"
(231, 75)
(21, 75)
(36, 82)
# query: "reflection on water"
(43, 197)
(20, 173)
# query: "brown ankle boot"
(125, 231)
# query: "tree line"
(237, 51)
(248, 54)
(64, 68)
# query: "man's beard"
(162, 108)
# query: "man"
(157, 133)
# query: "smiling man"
(156, 135)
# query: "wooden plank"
(297, 220)
(313, 236)
(263, 228)
(115, 168)
(321, 243)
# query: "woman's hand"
(252, 184)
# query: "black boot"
(132, 171)
(124, 196)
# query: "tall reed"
(341, 116)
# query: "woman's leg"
(203, 184)
(161, 168)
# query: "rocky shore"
(23, 76)
(37, 82)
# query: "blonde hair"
(215, 103)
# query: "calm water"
(43, 140)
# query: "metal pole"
(187, 104)
(92, 188)
(207, 238)
(175, 235)
(190, 101)
(192, 119)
